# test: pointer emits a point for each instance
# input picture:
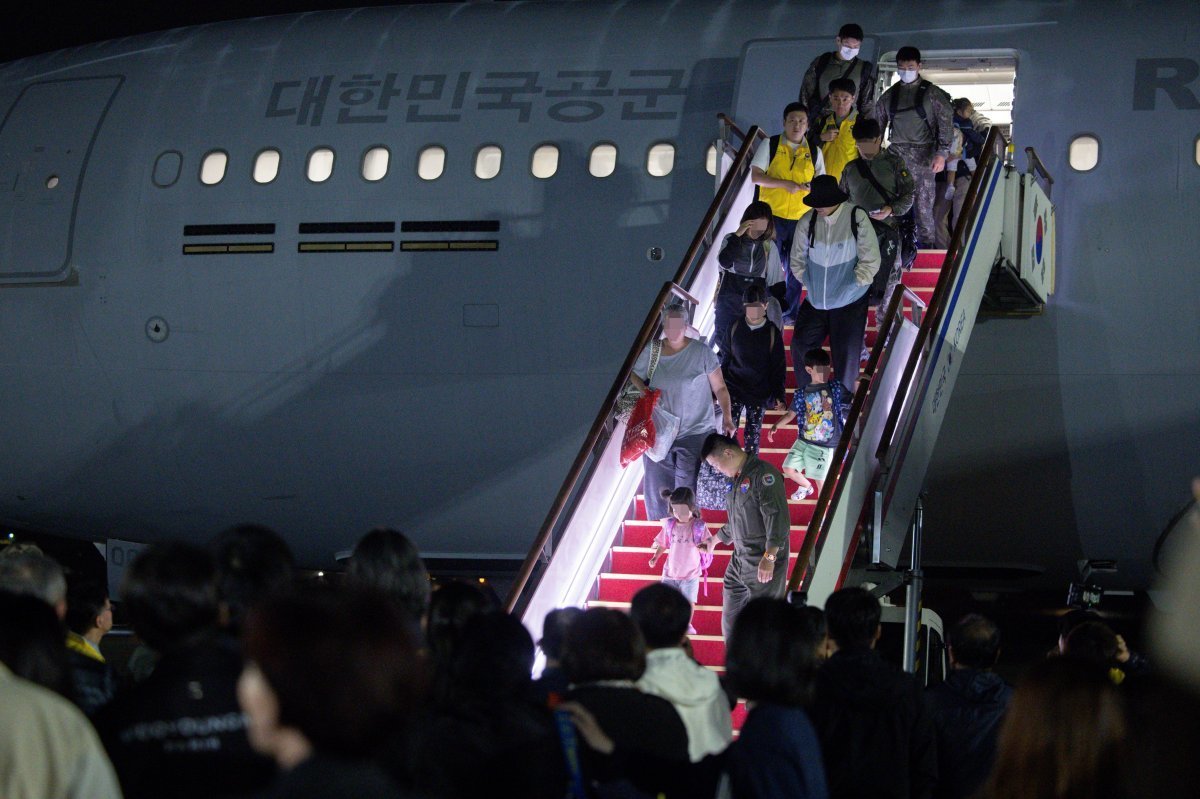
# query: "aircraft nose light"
(157, 329)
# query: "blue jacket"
(838, 267)
(967, 710)
(776, 755)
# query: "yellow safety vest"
(840, 151)
(788, 164)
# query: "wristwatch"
(768, 556)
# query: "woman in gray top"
(689, 375)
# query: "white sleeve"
(762, 156)
(819, 164)
(774, 264)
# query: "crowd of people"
(377, 686)
(837, 218)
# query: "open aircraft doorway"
(985, 77)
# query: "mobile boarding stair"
(854, 531)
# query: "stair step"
(639, 533)
(622, 587)
(636, 560)
(709, 650)
(801, 511)
(706, 617)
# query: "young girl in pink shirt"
(687, 542)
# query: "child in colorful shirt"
(821, 408)
(686, 540)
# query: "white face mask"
(848, 53)
(907, 75)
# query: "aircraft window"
(266, 166)
(603, 161)
(545, 161)
(320, 164)
(1198, 151)
(1084, 153)
(710, 160)
(431, 163)
(375, 164)
(660, 160)
(212, 168)
(487, 162)
(167, 168)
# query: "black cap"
(851, 31)
(825, 193)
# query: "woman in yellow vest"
(783, 170)
(837, 141)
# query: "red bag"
(639, 432)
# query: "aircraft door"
(770, 75)
(45, 141)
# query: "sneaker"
(801, 493)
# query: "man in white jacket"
(835, 254)
(663, 614)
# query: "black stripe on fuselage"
(261, 229)
(452, 226)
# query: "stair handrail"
(601, 431)
(994, 149)
(848, 446)
(1038, 167)
(819, 527)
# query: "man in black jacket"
(968, 708)
(876, 733)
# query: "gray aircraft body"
(324, 356)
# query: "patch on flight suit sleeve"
(768, 480)
(745, 486)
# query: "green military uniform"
(892, 174)
(758, 519)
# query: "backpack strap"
(812, 224)
(864, 169)
(918, 105)
(655, 354)
(774, 145)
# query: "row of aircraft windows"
(431, 163)
(1083, 155)
(1084, 152)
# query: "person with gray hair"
(688, 374)
(31, 573)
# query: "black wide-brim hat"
(825, 193)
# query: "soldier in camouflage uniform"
(922, 128)
(876, 168)
(758, 527)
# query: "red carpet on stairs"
(627, 570)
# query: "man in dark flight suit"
(757, 527)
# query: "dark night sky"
(30, 28)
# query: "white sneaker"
(801, 493)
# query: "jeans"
(689, 588)
(674, 471)
(785, 230)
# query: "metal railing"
(993, 150)
(579, 476)
(848, 447)
(831, 491)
